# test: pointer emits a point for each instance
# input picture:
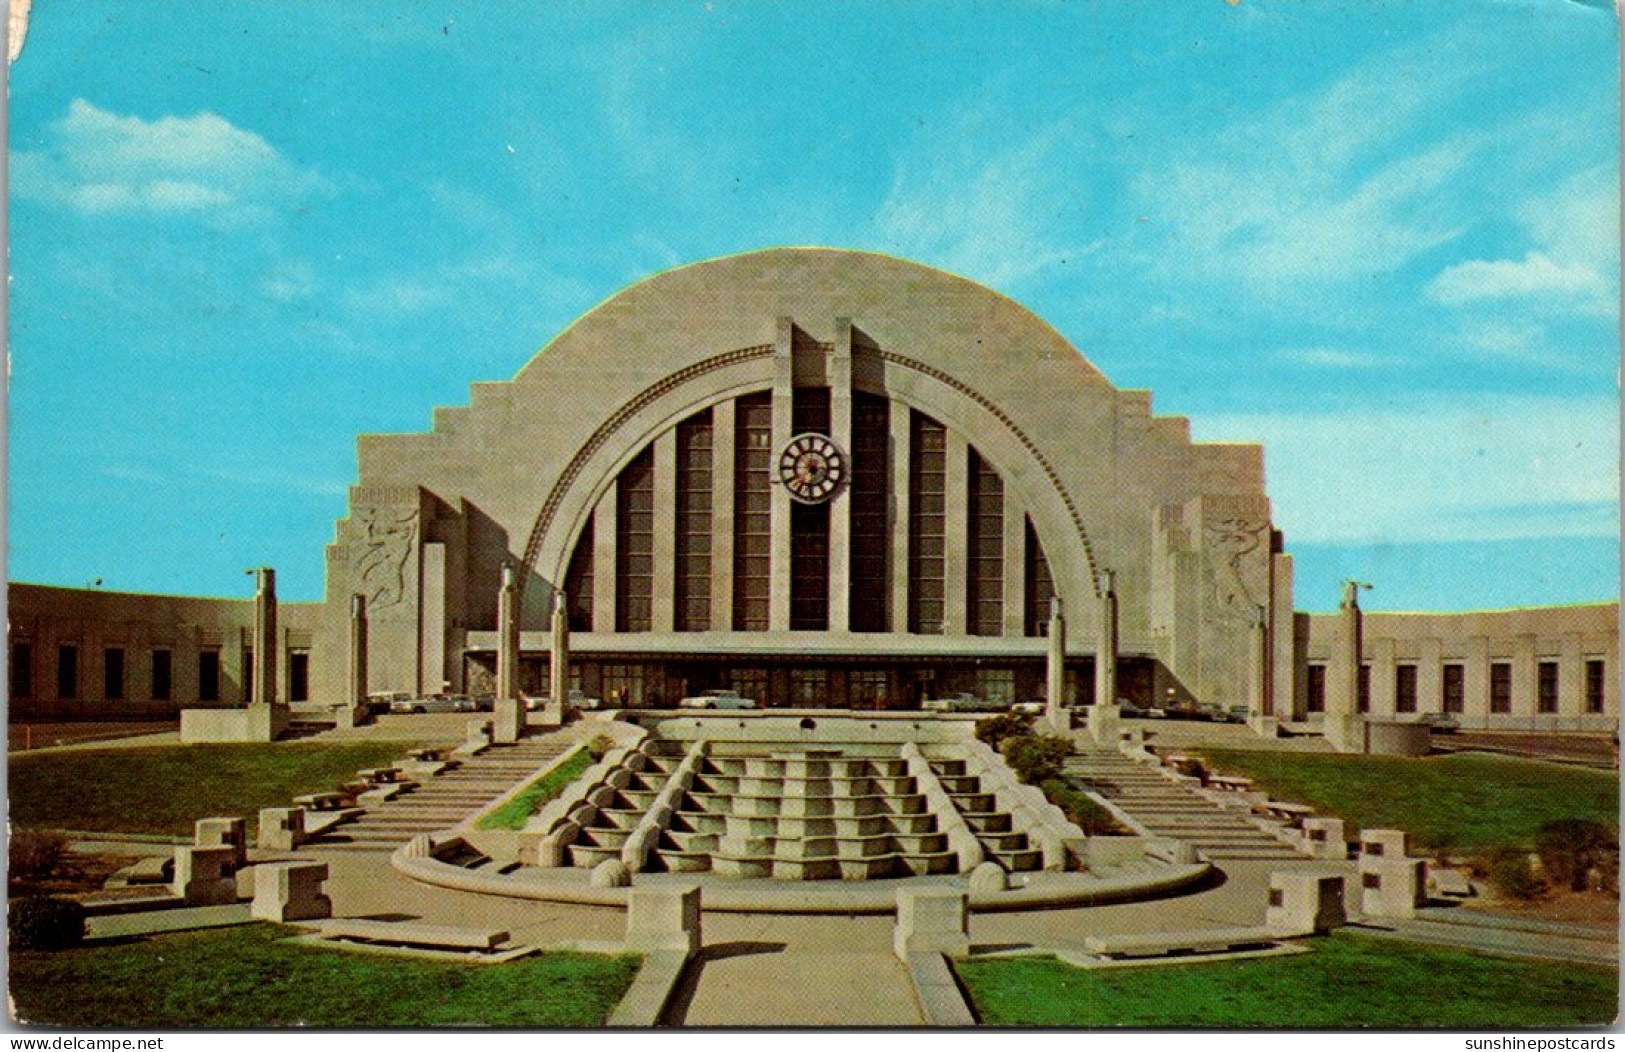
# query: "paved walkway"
(1504, 933)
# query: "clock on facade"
(812, 467)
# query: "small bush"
(599, 746)
(1570, 848)
(35, 854)
(43, 922)
(1035, 757)
(1191, 767)
(1512, 873)
(1083, 812)
(995, 729)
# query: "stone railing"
(635, 854)
(1045, 824)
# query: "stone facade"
(637, 465)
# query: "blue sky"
(1380, 237)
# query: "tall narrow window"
(248, 673)
(1454, 688)
(1404, 688)
(809, 526)
(1315, 693)
(67, 671)
(299, 675)
(208, 675)
(1595, 684)
(1546, 687)
(22, 670)
(871, 496)
(1501, 686)
(693, 581)
(753, 512)
(1040, 586)
(985, 550)
(635, 544)
(113, 673)
(163, 674)
(578, 579)
(1363, 702)
(927, 512)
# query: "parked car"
(436, 703)
(717, 699)
(578, 700)
(961, 702)
(384, 701)
(1442, 723)
(1237, 714)
(1034, 707)
(1212, 712)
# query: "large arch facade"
(1082, 478)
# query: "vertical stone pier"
(1106, 652)
(509, 718)
(559, 661)
(263, 691)
(1055, 670)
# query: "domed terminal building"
(819, 479)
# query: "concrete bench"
(379, 775)
(387, 791)
(428, 755)
(1172, 943)
(320, 801)
(429, 936)
(1229, 781)
(1446, 882)
(151, 870)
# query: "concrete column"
(723, 422)
(357, 684)
(902, 455)
(432, 620)
(1382, 676)
(840, 505)
(558, 662)
(509, 718)
(1343, 678)
(665, 538)
(1015, 567)
(1106, 646)
(1055, 667)
(1258, 684)
(266, 650)
(1523, 675)
(1284, 701)
(604, 539)
(1571, 672)
(1476, 682)
(1430, 676)
(956, 537)
(778, 616)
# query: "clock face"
(812, 468)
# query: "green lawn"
(164, 788)
(1348, 980)
(1464, 801)
(247, 977)
(528, 801)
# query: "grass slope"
(164, 789)
(247, 977)
(1347, 981)
(1464, 801)
(528, 801)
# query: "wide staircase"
(1168, 809)
(446, 799)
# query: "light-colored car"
(961, 702)
(1034, 707)
(717, 699)
(438, 703)
(578, 700)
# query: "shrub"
(35, 853)
(1084, 812)
(1512, 873)
(1191, 767)
(995, 729)
(1035, 757)
(1570, 848)
(44, 922)
(599, 746)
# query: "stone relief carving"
(386, 542)
(1227, 543)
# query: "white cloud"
(1536, 275)
(989, 216)
(1574, 269)
(100, 163)
(1330, 357)
(1470, 470)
